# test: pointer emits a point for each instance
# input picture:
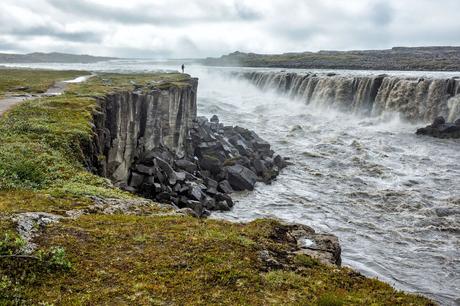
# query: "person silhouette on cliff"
(183, 68)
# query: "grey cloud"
(298, 32)
(382, 13)
(247, 13)
(8, 46)
(77, 36)
(200, 28)
(156, 15)
(133, 52)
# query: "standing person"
(183, 68)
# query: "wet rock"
(240, 144)
(136, 180)
(324, 247)
(196, 206)
(241, 178)
(224, 186)
(196, 193)
(167, 169)
(186, 165)
(225, 198)
(214, 119)
(222, 206)
(279, 161)
(209, 203)
(211, 186)
(438, 121)
(144, 169)
(260, 167)
(181, 176)
(211, 163)
(440, 129)
(218, 159)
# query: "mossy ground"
(35, 81)
(148, 259)
(167, 260)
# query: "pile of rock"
(218, 161)
(440, 129)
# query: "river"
(390, 196)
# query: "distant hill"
(398, 58)
(53, 57)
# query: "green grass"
(36, 81)
(167, 260)
(147, 259)
(41, 140)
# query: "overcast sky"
(200, 28)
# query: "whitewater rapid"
(390, 196)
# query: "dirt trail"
(57, 89)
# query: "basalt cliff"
(150, 141)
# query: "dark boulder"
(217, 160)
(209, 203)
(186, 165)
(136, 180)
(148, 170)
(167, 169)
(211, 163)
(222, 205)
(214, 119)
(259, 166)
(224, 186)
(220, 197)
(440, 129)
(196, 193)
(438, 121)
(241, 178)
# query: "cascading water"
(414, 98)
(391, 196)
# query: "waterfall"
(416, 99)
(454, 108)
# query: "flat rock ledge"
(29, 225)
(303, 240)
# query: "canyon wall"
(150, 142)
(131, 124)
(416, 99)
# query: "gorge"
(150, 141)
(368, 179)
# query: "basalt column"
(132, 124)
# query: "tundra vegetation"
(153, 256)
(398, 58)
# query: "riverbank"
(397, 58)
(157, 255)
